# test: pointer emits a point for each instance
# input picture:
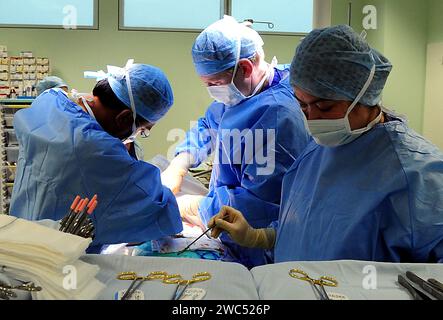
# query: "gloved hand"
(172, 178)
(188, 206)
(233, 222)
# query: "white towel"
(32, 252)
(39, 242)
(52, 282)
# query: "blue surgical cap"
(215, 49)
(48, 83)
(151, 90)
(335, 63)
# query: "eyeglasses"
(145, 133)
(142, 130)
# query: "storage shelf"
(8, 148)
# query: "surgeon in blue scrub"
(251, 97)
(369, 187)
(73, 146)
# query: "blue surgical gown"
(379, 198)
(239, 183)
(64, 152)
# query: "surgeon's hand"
(173, 177)
(188, 206)
(233, 222)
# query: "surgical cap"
(335, 63)
(150, 88)
(215, 49)
(48, 83)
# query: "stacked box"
(9, 150)
(4, 72)
(15, 76)
(19, 74)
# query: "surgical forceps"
(322, 282)
(137, 280)
(182, 284)
(6, 291)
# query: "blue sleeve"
(133, 204)
(258, 194)
(426, 207)
(201, 139)
(419, 208)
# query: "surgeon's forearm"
(263, 238)
(183, 160)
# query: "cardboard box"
(4, 90)
(17, 61)
(26, 54)
(29, 61)
(4, 76)
(42, 61)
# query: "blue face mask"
(337, 132)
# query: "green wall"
(340, 10)
(402, 36)
(406, 44)
(435, 21)
(376, 38)
(73, 51)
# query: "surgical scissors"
(182, 284)
(137, 280)
(322, 282)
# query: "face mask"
(337, 132)
(229, 94)
(88, 108)
(75, 96)
(132, 136)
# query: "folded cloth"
(47, 257)
(28, 239)
(77, 282)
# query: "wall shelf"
(8, 148)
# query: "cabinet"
(9, 148)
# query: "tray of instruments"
(203, 173)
